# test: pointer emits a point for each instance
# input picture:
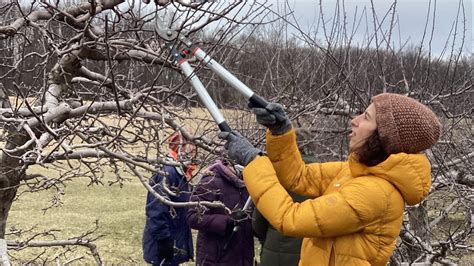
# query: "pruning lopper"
(181, 58)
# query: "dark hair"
(372, 152)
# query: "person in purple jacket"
(216, 244)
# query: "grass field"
(119, 212)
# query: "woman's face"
(187, 152)
(362, 127)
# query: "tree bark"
(3, 253)
(10, 168)
(418, 218)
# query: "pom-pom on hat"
(404, 124)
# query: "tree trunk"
(3, 253)
(418, 218)
(10, 167)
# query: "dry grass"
(118, 210)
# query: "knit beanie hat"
(404, 124)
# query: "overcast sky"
(412, 18)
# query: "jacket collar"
(220, 170)
(409, 173)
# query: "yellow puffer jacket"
(354, 213)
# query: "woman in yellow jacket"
(355, 208)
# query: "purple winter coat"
(220, 184)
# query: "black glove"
(165, 249)
(236, 217)
(239, 148)
(239, 215)
(274, 118)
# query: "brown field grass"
(118, 210)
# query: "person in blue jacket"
(167, 238)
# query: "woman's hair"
(371, 152)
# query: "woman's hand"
(239, 148)
(274, 118)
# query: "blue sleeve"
(157, 214)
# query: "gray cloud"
(412, 17)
